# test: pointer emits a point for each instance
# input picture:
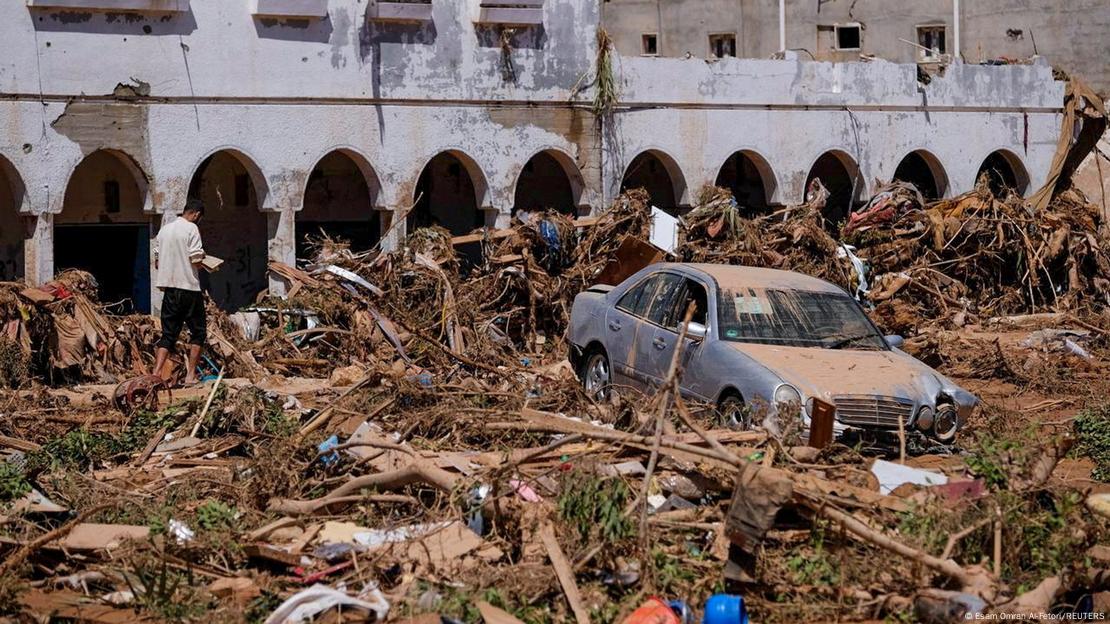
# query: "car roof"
(730, 276)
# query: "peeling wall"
(170, 90)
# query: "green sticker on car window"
(732, 333)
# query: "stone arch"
(840, 174)
(12, 230)
(549, 179)
(657, 172)
(452, 191)
(258, 181)
(340, 200)
(233, 190)
(922, 169)
(750, 178)
(105, 228)
(1004, 170)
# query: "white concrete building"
(363, 119)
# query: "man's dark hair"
(194, 205)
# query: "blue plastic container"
(725, 609)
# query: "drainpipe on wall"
(782, 25)
(956, 29)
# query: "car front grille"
(865, 410)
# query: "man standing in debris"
(178, 256)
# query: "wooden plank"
(565, 572)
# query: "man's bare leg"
(160, 357)
(192, 362)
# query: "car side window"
(661, 309)
(634, 302)
(694, 294)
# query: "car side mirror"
(894, 342)
(696, 331)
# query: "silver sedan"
(761, 345)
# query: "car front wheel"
(597, 376)
(735, 413)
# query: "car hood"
(824, 373)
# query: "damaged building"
(364, 120)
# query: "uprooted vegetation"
(444, 458)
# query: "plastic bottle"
(725, 609)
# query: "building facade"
(1070, 35)
(364, 120)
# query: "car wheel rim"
(597, 377)
(736, 417)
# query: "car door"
(624, 324)
(667, 318)
(655, 347)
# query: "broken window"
(933, 42)
(848, 36)
(649, 45)
(721, 46)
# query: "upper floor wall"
(268, 48)
(1070, 35)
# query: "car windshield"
(794, 318)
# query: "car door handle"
(659, 343)
(615, 325)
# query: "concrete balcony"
(511, 12)
(290, 8)
(131, 6)
(400, 11)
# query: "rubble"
(445, 459)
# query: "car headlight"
(925, 418)
(786, 395)
(946, 422)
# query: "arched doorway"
(339, 203)
(12, 231)
(233, 228)
(104, 229)
(549, 180)
(840, 175)
(659, 175)
(924, 171)
(750, 179)
(447, 194)
(1004, 171)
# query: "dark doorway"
(339, 204)
(118, 255)
(544, 184)
(233, 229)
(102, 229)
(843, 186)
(742, 177)
(1002, 175)
(648, 172)
(916, 170)
(445, 196)
(12, 230)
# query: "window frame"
(836, 36)
(643, 42)
(928, 57)
(719, 36)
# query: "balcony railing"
(290, 8)
(511, 12)
(400, 11)
(140, 6)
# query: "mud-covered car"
(761, 344)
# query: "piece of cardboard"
(632, 255)
(89, 536)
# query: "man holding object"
(178, 254)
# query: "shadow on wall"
(98, 23)
(516, 38)
(291, 29)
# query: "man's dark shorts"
(182, 308)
